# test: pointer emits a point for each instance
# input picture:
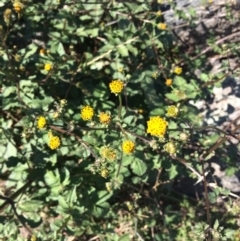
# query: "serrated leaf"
(30, 205)
(52, 179)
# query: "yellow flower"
(48, 66)
(41, 123)
(17, 7)
(116, 86)
(168, 82)
(172, 111)
(170, 148)
(162, 26)
(104, 118)
(54, 142)
(128, 146)
(108, 153)
(105, 173)
(157, 126)
(177, 70)
(87, 113)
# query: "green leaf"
(30, 205)
(122, 49)
(31, 49)
(62, 202)
(52, 178)
(138, 167)
(125, 237)
(11, 150)
(61, 50)
(172, 171)
(212, 197)
(9, 90)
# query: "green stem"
(120, 107)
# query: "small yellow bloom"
(159, 13)
(128, 146)
(17, 6)
(183, 136)
(155, 75)
(168, 82)
(33, 238)
(87, 113)
(177, 70)
(63, 102)
(54, 142)
(172, 111)
(41, 123)
(7, 16)
(108, 153)
(170, 148)
(109, 186)
(104, 118)
(56, 115)
(42, 51)
(48, 66)
(157, 126)
(116, 86)
(50, 134)
(140, 111)
(162, 26)
(105, 173)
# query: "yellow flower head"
(170, 148)
(41, 122)
(54, 142)
(17, 7)
(157, 126)
(108, 153)
(177, 70)
(48, 66)
(104, 118)
(168, 82)
(128, 146)
(162, 26)
(116, 86)
(172, 111)
(104, 173)
(87, 113)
